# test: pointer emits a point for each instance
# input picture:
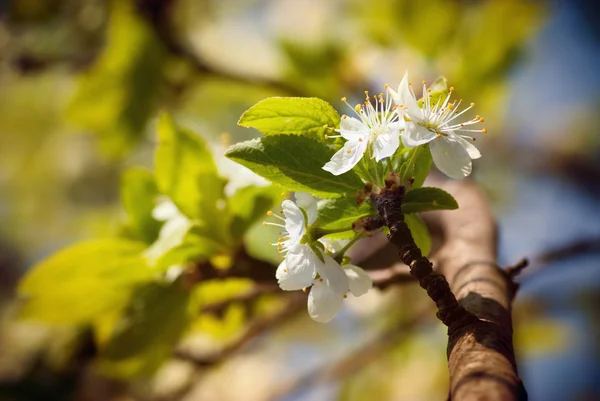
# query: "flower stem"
(339, 255)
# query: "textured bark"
(481, 358)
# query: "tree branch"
(481, 357)
(480, 352)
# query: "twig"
(357, 359)
(296, 302)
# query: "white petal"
(165, 210)
(450, 157)
(408, 100)
(351, 129)
(415, 135)
(333, 275)
(471, 149)
(360, 282)
(309, 203)
(294, 219)
(385, 145)
(300, 263)
(289, 282)
(343, 160)
(323, 303)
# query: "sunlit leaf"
(138, 195)
(427, 199)
(248, 205)
(306, 116)
(82, 281)
(416, 166)
(419, 231)
(118, 94)
(148, 330)
(294, 162)
(186, 172)
(342, 212)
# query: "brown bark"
(481, 358)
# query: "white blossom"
(436, 124)
(302, 267)
(376, 130)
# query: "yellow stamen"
(344, 99)
(484, 131)
(270, 213)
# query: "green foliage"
(294, 162)
(438, 92)
(197, 245)
(427, 199)
(292, 115)
(419, 231)
(138, 195)
(80, 282)
(248, 205)
(342, 212)
(148, 330)
(416, 166)
(117, 95)
(186, 172)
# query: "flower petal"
(294, 220)
(300, 262)
(415, 135)
(471, 149)
(450, 157)
(323, 303)
(309, 203)
(407, 99)
(165, 210)
(333, 274)
(360, 282)
(385, 145)
(351, 129)
(290, 282)
(346, 158)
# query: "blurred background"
(81, 85)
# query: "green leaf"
(294, 162)
(138, 195)
(117, 95)
(341, 213)
(248, 205)
(427, 199)
(186, 172)
(439, 92)
(416, 166)
(79, 282)
(419, 232)
(148, 330)
(292, 115)
(197, 245)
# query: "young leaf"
(342, 212)
(416, 166)
(186, 172)
(419, 231)
(294, 162)
(197, 245)
(438, 93)
(426, 199)
(292, 115)
(77, 283)
(248, 205)
(138, 195)
(148, 330)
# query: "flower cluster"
(378, 128)
(309, 263)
